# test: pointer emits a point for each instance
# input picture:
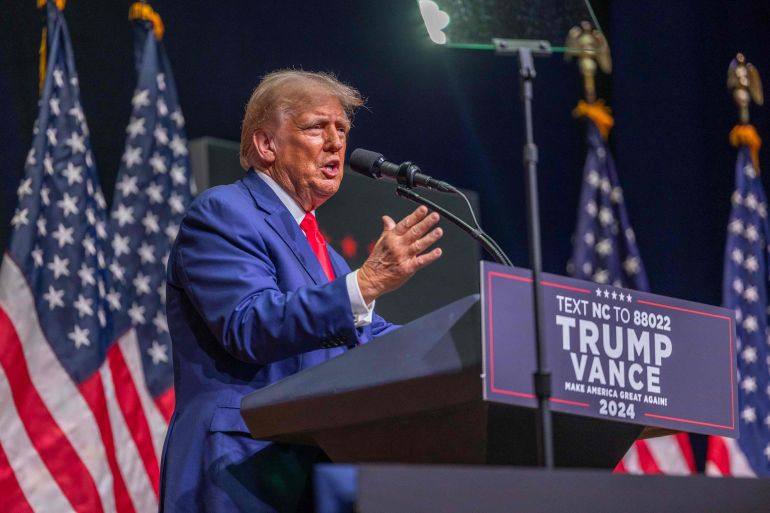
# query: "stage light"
(435, 20)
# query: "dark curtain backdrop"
(455, 113)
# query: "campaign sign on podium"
(613, 353)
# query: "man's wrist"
(368, 291)
(362, 310)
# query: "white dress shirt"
(362, 313)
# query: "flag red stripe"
(165, 403)
(620, 468)
(92, 391)
(131, 406)
(646, 460)
(13, 497)
(55, 450)
(718, 455)
(683, 439)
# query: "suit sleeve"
(221, 261)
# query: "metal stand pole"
(542, 376)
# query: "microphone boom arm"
(485, 240)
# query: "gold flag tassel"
(143, 11)
(597, 112)
(747, 135)
(43, 63)
(44, 43)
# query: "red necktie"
(310, 226)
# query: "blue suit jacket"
(247, 304)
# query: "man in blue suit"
(254, 295)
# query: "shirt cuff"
(362, 313)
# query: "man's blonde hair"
(283, 92)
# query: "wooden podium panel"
(415, 396)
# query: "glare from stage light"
(435, 20)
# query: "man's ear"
(263, 143)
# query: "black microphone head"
(366, 162)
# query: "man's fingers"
(412, 219)
(388, 223)
(421, 228)
(427, 258)
(425, 242)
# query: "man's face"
(309, 148)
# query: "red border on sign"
(492, 336)
(494, 389)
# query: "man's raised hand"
(399, 253)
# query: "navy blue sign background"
(613, 353)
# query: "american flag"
(605, 251)
(744, 289)
(152, 192)
(77, 418)
(60, 423)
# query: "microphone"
(374, 165)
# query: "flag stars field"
(158, 353)
(20, 218)
(135, 127)
(749, 354)
(127, 185)
(132, 156)
(141, 98)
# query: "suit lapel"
(339, 265)
(282, 222)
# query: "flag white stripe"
(129, 346)
(55, 387)
(739, 466)
(631, 461)
(36, 482)
(712, 470)
(668, 455)
(129, 460)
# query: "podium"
(416, 395)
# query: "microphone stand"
(485, 240)
(524, 50)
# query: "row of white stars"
(136, 128)
(137, 311)
(132, 156)
(596, 181)
(76, 142)
(157, 352)
(614, 295)
(750, 202)
(749, 415)
(120, 244)
(71, 174)
(750, 263)
(750, 293)
(141, 98)
(750, 232)
(604, 214)
(630, 265)
(127, 185)
(124, 214)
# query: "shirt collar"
(296, 211)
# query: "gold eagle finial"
(746, 85)
(590, 48)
